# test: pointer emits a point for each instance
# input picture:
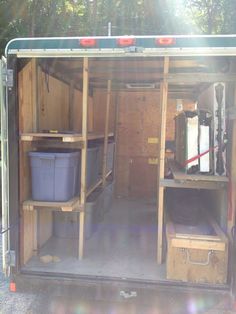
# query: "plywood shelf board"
(203, 185)
(40, 136)
(98, 136)
(182, 176)
(68, 138)
(71, 205)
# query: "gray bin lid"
(62, 153)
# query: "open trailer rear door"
(4, 165)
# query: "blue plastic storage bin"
(93, 213)
(110, 155)
(108, 196)
(54, 175)
(66, 225)
(92, 174)
(92, 168)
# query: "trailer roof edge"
(143, 44)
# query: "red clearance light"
(88, 42)
(12, 287)
(125, 41)
(165, 41)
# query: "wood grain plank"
(106, 131)
(161, 158)
(182, 176)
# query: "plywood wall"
(46, 103)
(45, 226)
(27, 86)
(42, 99)
(27, 239)
(26, 124)
(76, 113)
(99, 103)
(25, 83)
(53, 102)
(137, 143)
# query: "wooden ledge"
(64, 137)
(182, 176)
(71, 205)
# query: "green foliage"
(25, 18)
(85, 17)
(211, 16)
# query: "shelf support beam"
(35, 94)
(104, 164)
(232, 180)
(71, 104)
(83, 191)
(161, 159)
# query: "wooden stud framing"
(83, 191)
(161, 168)
(35, 94)
(232, 181)
(71, 101)
(72, 205)
(36, 223)
(116, 136)
(104, 165)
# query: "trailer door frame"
(4, 166)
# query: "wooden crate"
(197, 258)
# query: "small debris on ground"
(49, 259)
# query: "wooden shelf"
(203, 185)
(64, 137)
(71, 205)
(98, 136)
(181, 176)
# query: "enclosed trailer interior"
(81, 103)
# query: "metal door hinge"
(7, 77)
(11, 258)
(134, 49)
(128, 294)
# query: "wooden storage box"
(197, 258)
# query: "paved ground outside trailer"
(162, 300)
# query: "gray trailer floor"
(115, 298)
(124, 246)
